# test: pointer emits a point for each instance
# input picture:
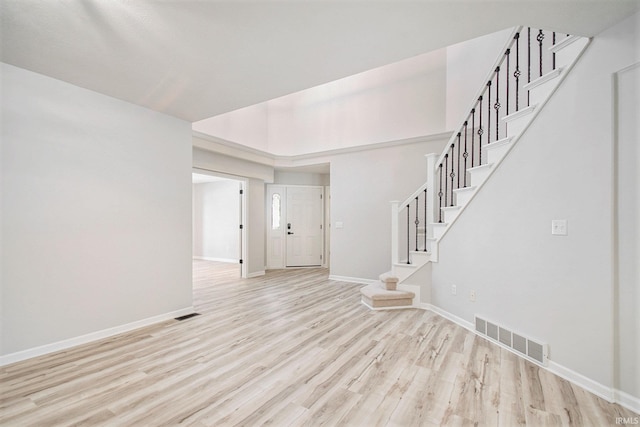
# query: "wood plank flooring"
(292, 348)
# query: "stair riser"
(566, 55)
(450, 215)
(496, 153)
(402, 272)
(461, 200)
(539, 93)
(515, 126)
(438, 231)
(479, 176)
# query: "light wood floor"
(292, 348)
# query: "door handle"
(289, 232)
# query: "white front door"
(304, 226)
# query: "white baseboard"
(609, 394)
(401, 307)
(628, 401)
(455, 319)
(256, 274)
(87, 338)
(355, 280)
(229, 260)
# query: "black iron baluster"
(460, 163)
(473, 126)
(496, 106)
(452, 174)
(554, 54)
(528, 62)
(446, 168)
(489, 112)
(408, 237)
(440, 195)
(425, 220)
(417, 222)
(480, 132)
(540, 38)
(516, 73)
(464, 156)
(508, 53)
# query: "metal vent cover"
(533, 350)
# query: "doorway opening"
(218, 209)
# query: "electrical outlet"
(454, 290)
(559, 227)
(472, 296)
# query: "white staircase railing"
(528, 57)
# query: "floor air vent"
(187, 316)
(524, 346)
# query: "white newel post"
(431, 187)
(394, 231)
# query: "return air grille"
(522, 345)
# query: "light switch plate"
(339, 224)
(559, 227)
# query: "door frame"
(281, 262)
(244, 253)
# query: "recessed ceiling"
(198, 59)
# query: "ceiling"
(198, 59)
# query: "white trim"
(90, 337)
(520, 113)
(609, 394)
(256, 274)
(455, 319)
(354, 280)
(628, 401)
(543, 79)
(400, 307)
(586, 383)
(234, 149)
(229, 260)
(563, 43)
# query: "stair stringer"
(416, 277)
(549, 82)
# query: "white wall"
(397, 101)
(301, 178)
(96, 221)
(228, 165)
(627, 215)
(216, 220)
(247, 126)
(362, 185)
(468, 65)
(556, 289)
(255, 228)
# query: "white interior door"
(304, 226)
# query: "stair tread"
(499, 143)
(377, 292)
(543, 79)
(388, 277)
(451, 208)
(564, 43)
(477, 168)
(463, 189)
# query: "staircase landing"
(377, 296)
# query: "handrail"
(449, 172)
(472, 104)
